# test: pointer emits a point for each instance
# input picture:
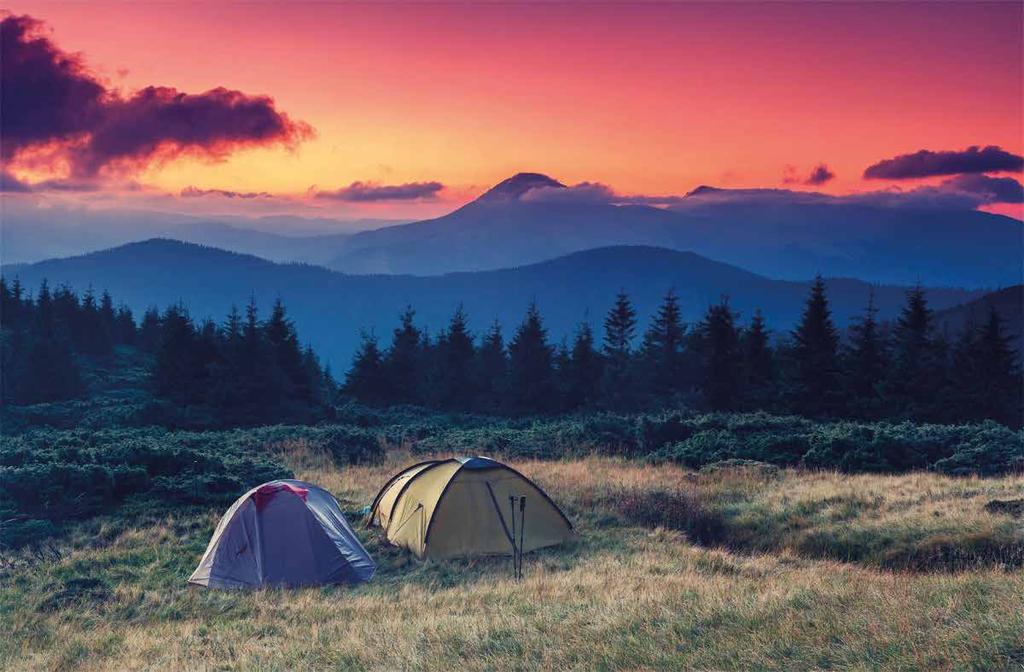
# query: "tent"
(283, 533)
(467, 506)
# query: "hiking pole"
(515, 561)
(522, 532)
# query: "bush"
(50, 476)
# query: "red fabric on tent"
(265, 493)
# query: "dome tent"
(283, 533)
(464, 506)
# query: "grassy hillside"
(727, 568)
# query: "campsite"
(735, 566)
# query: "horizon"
(400, 113)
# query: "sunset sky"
(649, 99)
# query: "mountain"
(330, 308)
(32, 234)
(791, 235)
(1008, 302)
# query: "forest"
(906, 370)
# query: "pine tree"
(175, 375)
(986, 375)
(917, 375)
(492, 370)
(287, 357)
(149, 330)
(815, 376)
(365, 380)
(404, 362)
(530, 366)
(619, 385)
(721, 358)
(662, 350)
(456, 384)
(124, 326)
(584, 370)
(758, 365)
(866, 360)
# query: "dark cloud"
(196, 192)
(361, 192)
(818, 176)
(584, 192)
(927, 163)
(50, 98)
(993, 189)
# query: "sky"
(403, 111)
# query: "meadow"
(738, 565)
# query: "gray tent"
(283, 533)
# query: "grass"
(736, 568)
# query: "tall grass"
(768, 589)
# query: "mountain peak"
(514, 187)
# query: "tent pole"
(515, 552)
(522, 532)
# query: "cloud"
(927, 163)
(52, 104)
(10, 184)
(364, 192)
(196, 192)
(584, 192)
(818, 176)
(993, 189)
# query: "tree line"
(242, 371)
(907, 369)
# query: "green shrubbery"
(696, 440)
(50, 476)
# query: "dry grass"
(625, 596)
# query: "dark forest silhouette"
(247, 371)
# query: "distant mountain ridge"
(778, 233)
(331, 308)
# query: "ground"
(740, 568)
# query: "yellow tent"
(467, 506)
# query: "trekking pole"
(522, 532)
(515, 561)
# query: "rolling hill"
(777, 233)
(330, 308)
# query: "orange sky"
(650, 99)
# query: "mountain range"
(330, 308)
(882, 237)
(782, 234)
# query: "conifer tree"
(758, 365)
(866, 362)
(530, 366)
(815, 380)
(404, 362)
(455, 382)
(149, 330)
(721, 358)
(174, 375)
(917, 375)
(619, 384)
(584, 370)
(986, 375)
(662, 349)
(492, 370)
(365, 380)
(124, 326)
